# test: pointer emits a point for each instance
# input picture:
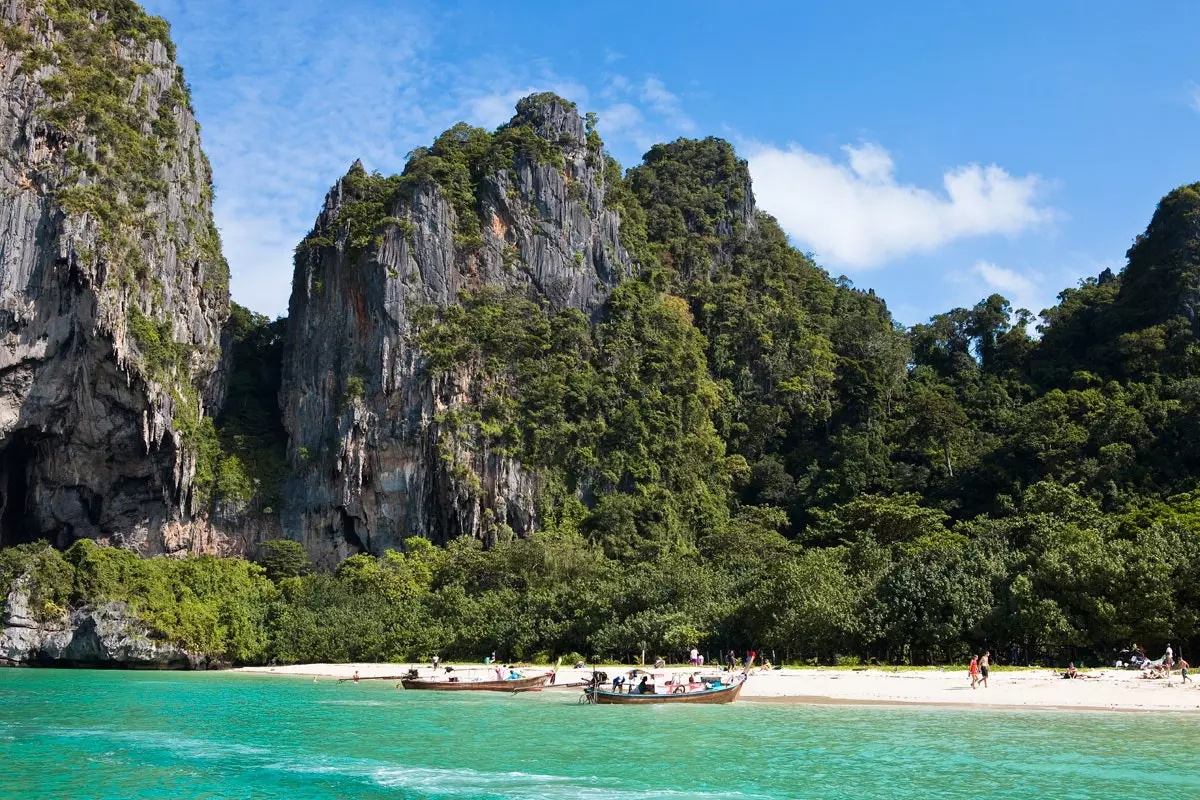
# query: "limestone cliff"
(108, 635)
(113, 290)
(522, 208)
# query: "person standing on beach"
(973, 671)
(1183, 668)
(355, 676)
(983, 667)
(695, 657)
(1168, 660)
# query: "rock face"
(360, 412)
(107, 636)
(112, 287)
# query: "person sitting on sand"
(1152, 672)
(1071, 671)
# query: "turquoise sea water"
(84, 734)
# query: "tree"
(283, 558)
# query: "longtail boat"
(531, 684)
(718, 695)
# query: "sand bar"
(1103, 690)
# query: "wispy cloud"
(1021, 289)
(666, 103)
(858, 214)
(291, 92)
(289, 95)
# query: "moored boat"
(715, 695)
(455, 684)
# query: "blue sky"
(935, 152)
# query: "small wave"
(435, 782)
(163, 740)
(352, 703)
(522, 785)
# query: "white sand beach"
(1103, 689)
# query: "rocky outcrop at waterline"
(113, 289)
(522, 209)
(105, 636)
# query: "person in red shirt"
(974, 671)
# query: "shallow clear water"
(67, 734)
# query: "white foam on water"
(352, 703)
(522, 785)
(432, 782)
(163, 740)
(435, 782)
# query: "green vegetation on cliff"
(457, 164)
(243, 456)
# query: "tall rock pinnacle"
(113, 289)
(521, 209)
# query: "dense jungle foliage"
(741, 451)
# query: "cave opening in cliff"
(16, 526)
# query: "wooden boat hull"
(440, 685)
(726, 694)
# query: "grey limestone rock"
(112, 291)
(373, 466)
(107, 635)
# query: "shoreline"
(1020, 690)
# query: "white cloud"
(1023, 291)
(291, 92)
(620, 117)
(858, 214)
(617, 84)
(666, 103)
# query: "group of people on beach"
(731, 662)
(1163, 666)
(980, 666)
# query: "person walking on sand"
(1183, 668)
(983, 667)
(973, 671)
